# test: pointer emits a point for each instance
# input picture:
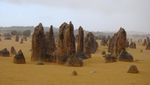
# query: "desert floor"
(94, 72)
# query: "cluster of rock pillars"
(71, 50)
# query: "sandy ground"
(94, 72)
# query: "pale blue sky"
(95, 15)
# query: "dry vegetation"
(94, 72)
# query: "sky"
(92, 15)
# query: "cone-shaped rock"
(60, 53)
(120, 43)
(144, 42)
(51, 46)
(51, 41)
(74, 73)
(66, 42)
(69, 40)
(19, 58)
(90, 44)
(80, 43)
(17, 38)
(148, 44)
(38, 44)
(133, 69)
(13, 51)
(132, 45)
(66, 45)
(4, 52)
(117, 46)
(70, 48)
(125, 56)
(80, 40)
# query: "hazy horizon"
(92, 15)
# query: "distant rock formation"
(148, 44)
(7, 36)
(90, 44)
(24, 38)
(17, 38)
(145, 42)
(19, 58)
(132, 45)
(13, 51)
(4, 52)
(21, 41)
(38, 44)
(104, 41)
(117, 46)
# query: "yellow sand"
(94, 72)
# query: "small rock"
(133, 69)
(74, 73)
(19, 58)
